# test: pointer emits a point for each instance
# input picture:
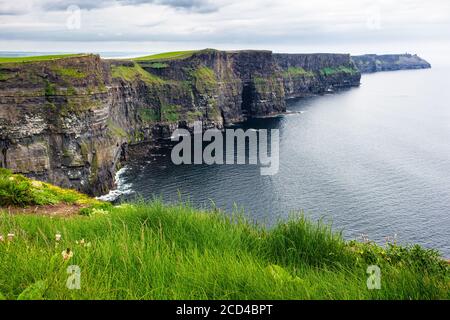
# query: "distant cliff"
(389, 62)
(71, 121)
(306, 74)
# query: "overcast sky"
(355, 26)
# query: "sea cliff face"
(71, 121)
(389, 62)
(53, 122)
(306, 74)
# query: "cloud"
(13, 8)
(8, 12)
(200, 6)
(234, 23)
(62, 5)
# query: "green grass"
(69, 72)
(170, 113)
(204, 79)
(50, 89)
(134, 72)
(151, 250)
(192, 116)
(155, 251)
(159, 65)
(297, 71)
(36, 58)
(149, 115)
(6, 76)
(116, 130)
(167, 56)
(17, 190)
(341, 69)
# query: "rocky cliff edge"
(70, 121)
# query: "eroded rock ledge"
(70, 121)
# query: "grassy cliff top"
(167, 56)
(37, 58)
(133, 72)
(152, 250)
(175, 55)
(19, 191)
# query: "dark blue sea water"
(374, 160)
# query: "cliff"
(306, 74)
(70, 120)
(389, 62)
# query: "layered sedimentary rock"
(306, 74)
(53, 122)
(389, 62)
(70, 121)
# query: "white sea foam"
(122, 187)
(289, 113)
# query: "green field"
(297, 71)
(36, 58)
(151, 250)
(134, 72)
(167, 56)
(341, 69)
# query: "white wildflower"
(67, 254)
(83, 243)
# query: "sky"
(354, 26)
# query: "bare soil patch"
(60, 209)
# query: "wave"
(122, 187)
